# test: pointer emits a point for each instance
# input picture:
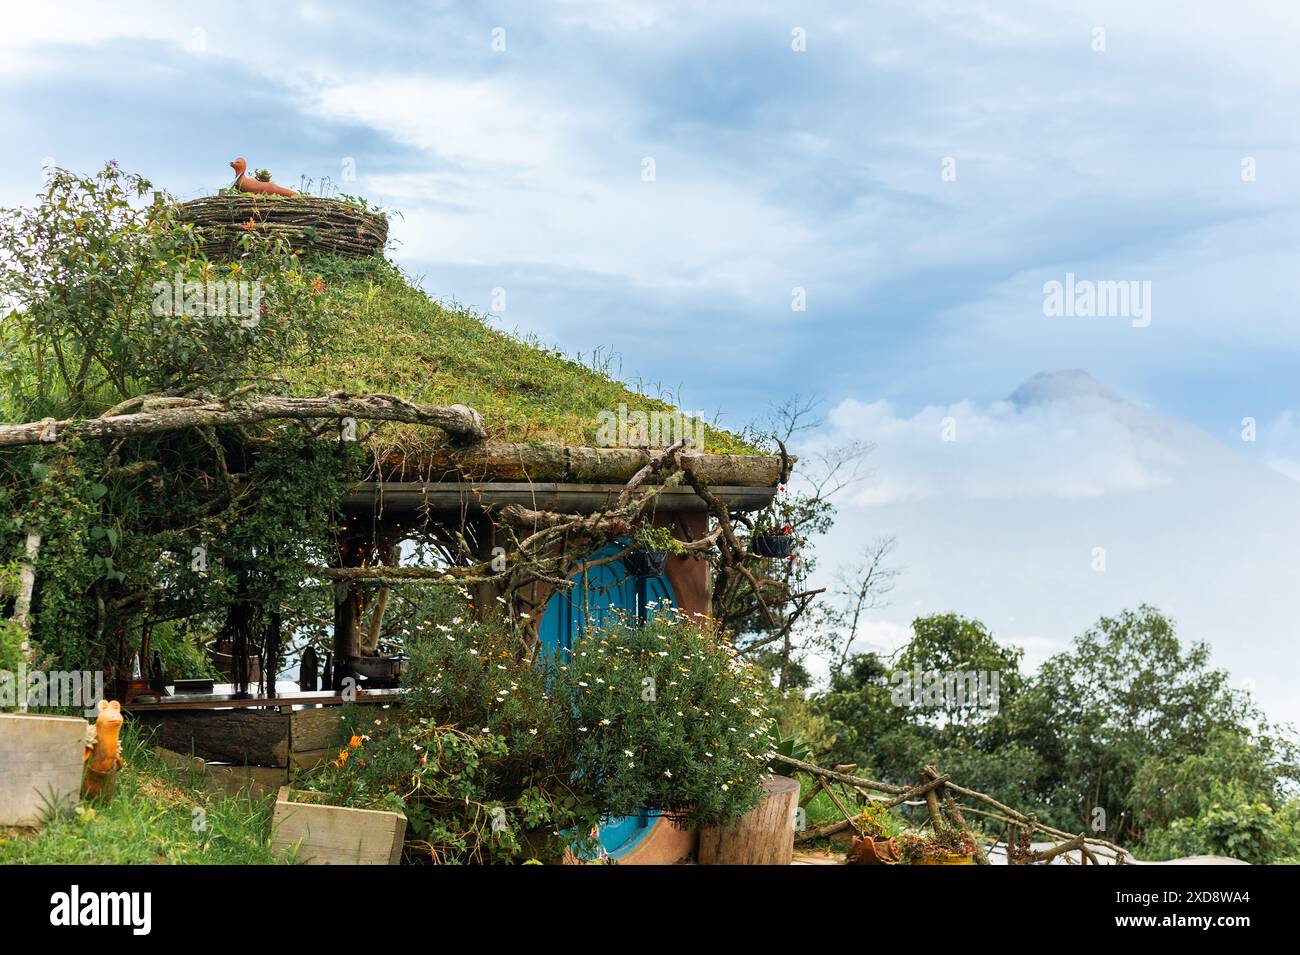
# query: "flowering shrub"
(666, 717)
(478, 754)
(495, 760)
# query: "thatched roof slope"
(389, 337)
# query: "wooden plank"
(547, 461)
(407, 497)
(242, 737)
(314, 729)
(311, 758)
(223, 778)
(217, 701)
(40, 765)
(335, 835)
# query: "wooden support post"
(486, 592)
(347, 611)
(389, 554)
(932, 800)
(950, 807)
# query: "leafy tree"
(1125, 693)
(877, 713)
(112, 307)
(92, 275)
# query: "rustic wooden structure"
(254, 742)
(555, 512)
(309, 223)
(470, 490)
(938, 795)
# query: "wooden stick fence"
(937, 793)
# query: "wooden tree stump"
(764, 836)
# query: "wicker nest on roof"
(311, 224)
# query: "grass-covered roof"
(388, 336)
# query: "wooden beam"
(407, 501)
(282, 701)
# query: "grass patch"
(390, 337)
(159, 816)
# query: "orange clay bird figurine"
(103, 752)
(245, 183)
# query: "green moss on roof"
(389, 336)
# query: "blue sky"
(1102, 139)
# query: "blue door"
(599, 591)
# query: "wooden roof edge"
(413, 497)
(569, 464)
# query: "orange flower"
(343, 756)
(249, 225)
(318, 285)
(354, 742)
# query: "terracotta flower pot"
(869, 850)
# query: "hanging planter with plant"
(772, 533)
(650, 547)
(775, 544)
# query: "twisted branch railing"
(936, 792)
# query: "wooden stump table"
(763, 836)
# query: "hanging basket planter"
(775, 546)
(645, 563)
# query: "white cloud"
(474, 121)
(517, 177)
(1080, 446)
(1280, 443)
(1005, 524)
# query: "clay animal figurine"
(103, 753)
(245, 183)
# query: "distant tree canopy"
(1127, 734)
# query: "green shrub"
(478, 754)
(667, 717)
(495, 759)
(1230, 824)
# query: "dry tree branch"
(156, 415)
